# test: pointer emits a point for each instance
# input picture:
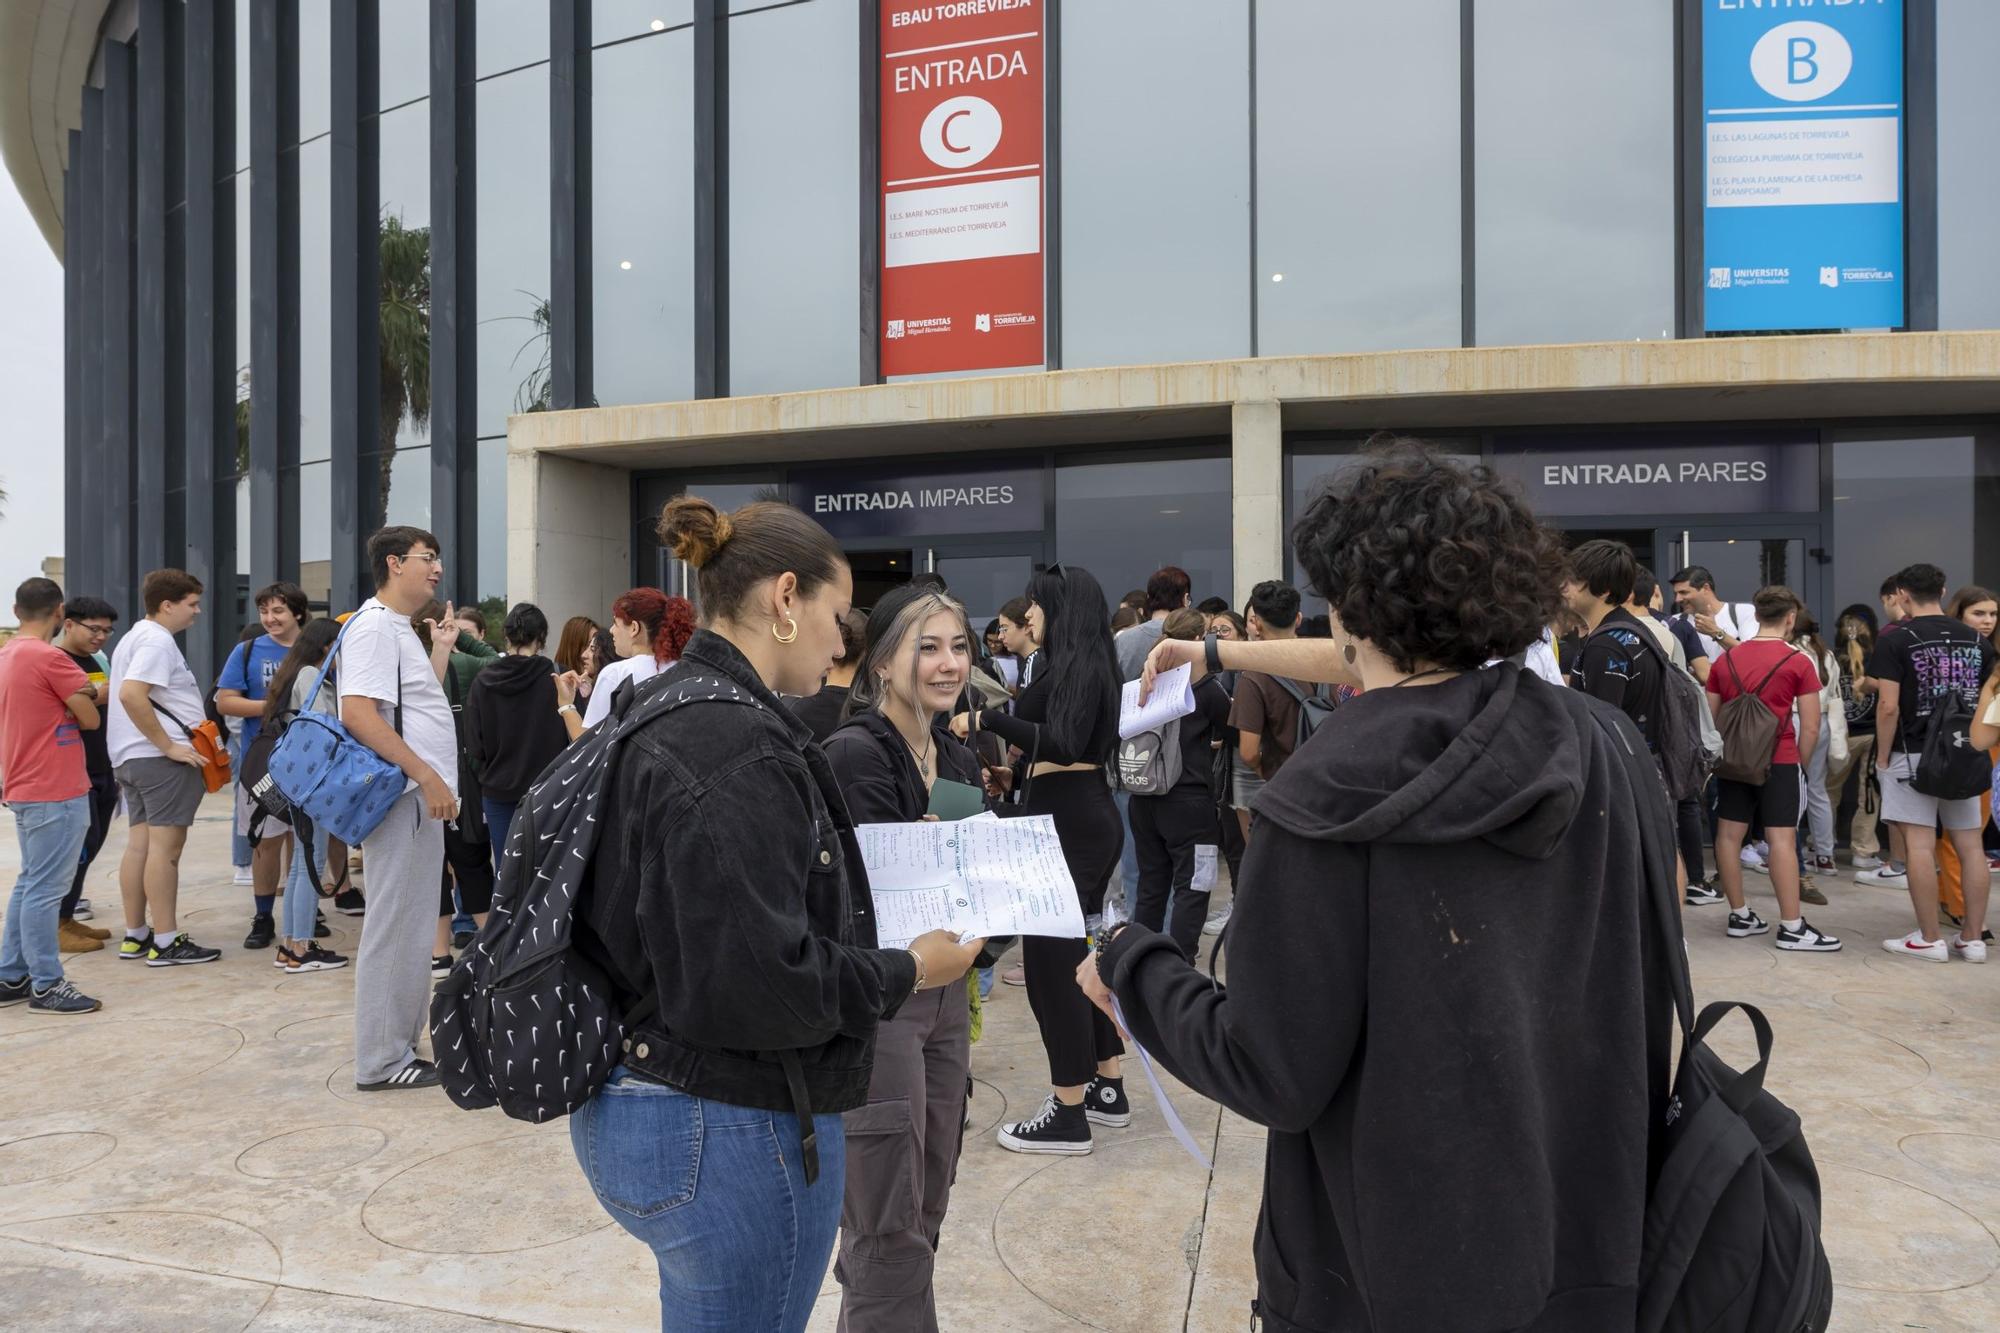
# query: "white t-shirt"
(1737, 619)
(148, 653)
(635, 669)
(380, 644)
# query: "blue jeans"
(718, 1193)
(301, 902)
(51, 835)
(499, 818)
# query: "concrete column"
(1257, 490)
(569, 534)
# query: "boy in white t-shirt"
(155, 704)
(392, 700)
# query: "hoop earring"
(786, 638)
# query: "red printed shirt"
(41, 746)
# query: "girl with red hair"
(649, 629)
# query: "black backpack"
(1731, 1241)
(1683, 756)
(1951, 767)
(529, 1019)
(1314, 709)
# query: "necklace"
(1419, 675)
(923, 756)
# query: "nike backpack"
(528, 1019)
(1950, 767)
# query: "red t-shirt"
(41, 747)
(1752, 660)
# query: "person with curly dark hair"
(1458, 863)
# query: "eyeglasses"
(89, 628)
(432, 556)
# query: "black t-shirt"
(96, 745)
(1621, 663)
(1926, 657)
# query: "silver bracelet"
(923, 972)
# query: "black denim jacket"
(728, 879)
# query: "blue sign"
(1803, 125)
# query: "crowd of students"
(1411, 807)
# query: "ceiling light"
(659, 25)
(625, 263)
(1277, 277)
(1170, 511)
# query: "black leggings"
(1688, 815)
(1075, 1034)
(472, 864)
(1165, 831)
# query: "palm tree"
(537, 388)
(404, 259)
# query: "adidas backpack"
(1732, 1232)
(528, 1019)
(1149, 764)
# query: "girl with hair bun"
(729, 903)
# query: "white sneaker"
(1912, 946)
(83, 912)
(1866, 862)
(1885, 877)
(1214, 925)
(1752, 861)
(1972, 951)
(243, 875)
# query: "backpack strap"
(1656, 843)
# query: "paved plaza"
(196, 1157)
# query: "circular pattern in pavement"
(1893, 1006)
(190, 1241)
(1884, 1234)
(195, 1046)
(1070, 1206)
(313, 1034)
(989, 1108)
(519, 1193)
(311, 1152)
(46, 1156)
(1970, 1161)
(1870, 1064)
(1733, 961)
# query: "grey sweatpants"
(400, 863)
(902, 1156)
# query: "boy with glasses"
(87, 624)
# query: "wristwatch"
(1211, 654)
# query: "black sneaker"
(349, 902)
(440, 968)
(416, 1074)
(1701, 895)
(135, 951)
(179, 952)
(1746, 922)
(262, 931)
(15, 992)
(62, 998)
(320, 929)
(314, 959)
(1104, 1102)
(1807, 939)
(462, 939)
(1054, 1129)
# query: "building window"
(1122, 520)
(1357, 233)
(404, 69)
(1968, 170)
(1155, 181)
(1900, 497)
(617, 20)
(510, 34)
(794, 285)
(315, 300)
(642, 219)
(1574, 172)
(513, 264)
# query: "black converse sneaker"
(1104, 1102)
(1054, 1129)
(1746, 922)
(1807, 939)
(1701, 895)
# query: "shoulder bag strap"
(1656, 851)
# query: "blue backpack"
(343, 786)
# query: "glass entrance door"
(1744, 558)
(984, 578)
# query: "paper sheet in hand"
(978, 877)
(1172, 697)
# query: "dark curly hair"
(1430, 560)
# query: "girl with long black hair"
(1066, 726)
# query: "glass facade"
(1574, 168)
(1287, 177)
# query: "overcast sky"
(31, 390)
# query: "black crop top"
(1028, 724)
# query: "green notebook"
(952, 800)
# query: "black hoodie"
(1444, 1003)
(512, 729)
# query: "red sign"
(961, 185)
